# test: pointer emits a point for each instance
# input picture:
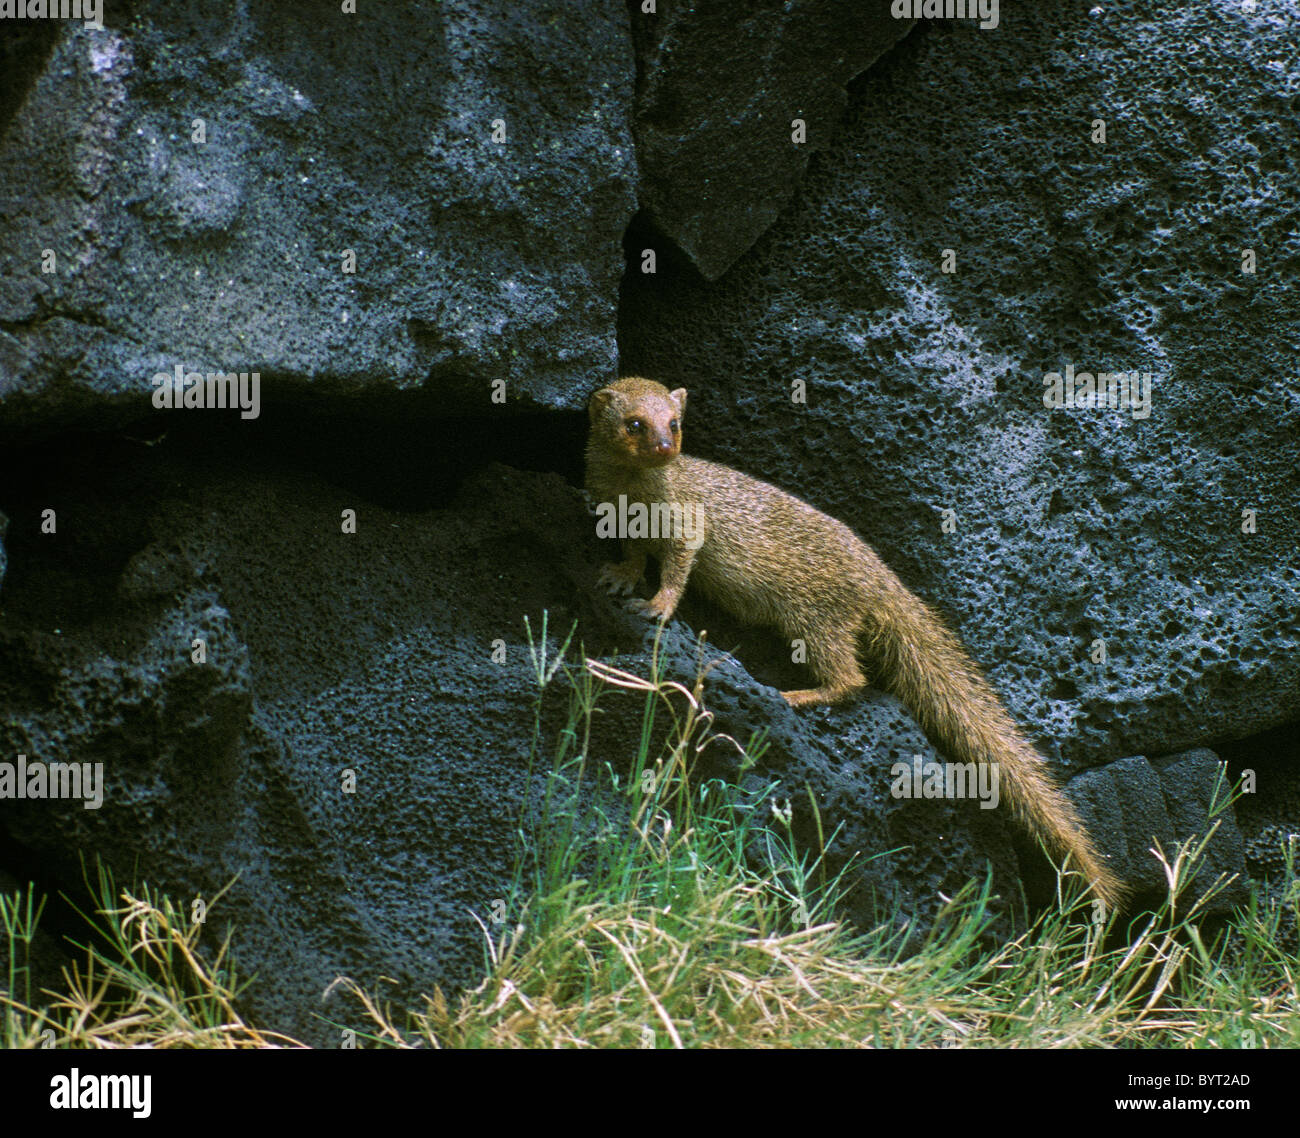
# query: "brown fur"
(774, 560)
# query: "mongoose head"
(639, 421)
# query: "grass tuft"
(140, 981)
(640, 921)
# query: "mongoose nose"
(664, 446)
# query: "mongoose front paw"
(656, 608)
(619, 578)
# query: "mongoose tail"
(931, 673)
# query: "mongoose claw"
(652, 609)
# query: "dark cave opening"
(396, 449)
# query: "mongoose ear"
(679, 397)
(600, 401)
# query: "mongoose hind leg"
(834, 661)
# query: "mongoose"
(771, 559)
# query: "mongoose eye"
(674, 426)
(635, 426)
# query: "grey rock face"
(324, 135)
(724, 88)
(1141, 805)
(1131, 583)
